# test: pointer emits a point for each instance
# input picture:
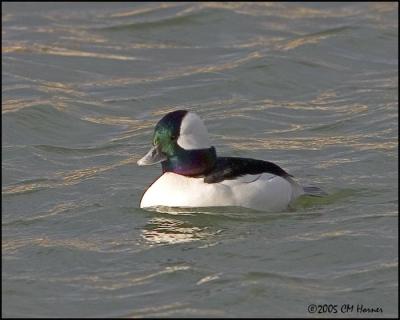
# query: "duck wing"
(234, 167)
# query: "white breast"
(264, 192)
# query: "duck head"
(182, 145)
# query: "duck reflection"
(172, 229)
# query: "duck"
(193, 175)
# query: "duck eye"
(173, 137)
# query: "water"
(312, 87)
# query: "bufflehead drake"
(194, 176)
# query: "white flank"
(264, 192)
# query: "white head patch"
(193, 133)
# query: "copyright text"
(343, 308)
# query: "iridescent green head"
(181, 144)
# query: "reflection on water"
(170, 230)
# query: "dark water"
(312, 87)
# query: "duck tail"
(299, 190)
(314, 191)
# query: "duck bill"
(152, 157)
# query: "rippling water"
(312, 87)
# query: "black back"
(233, 167)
